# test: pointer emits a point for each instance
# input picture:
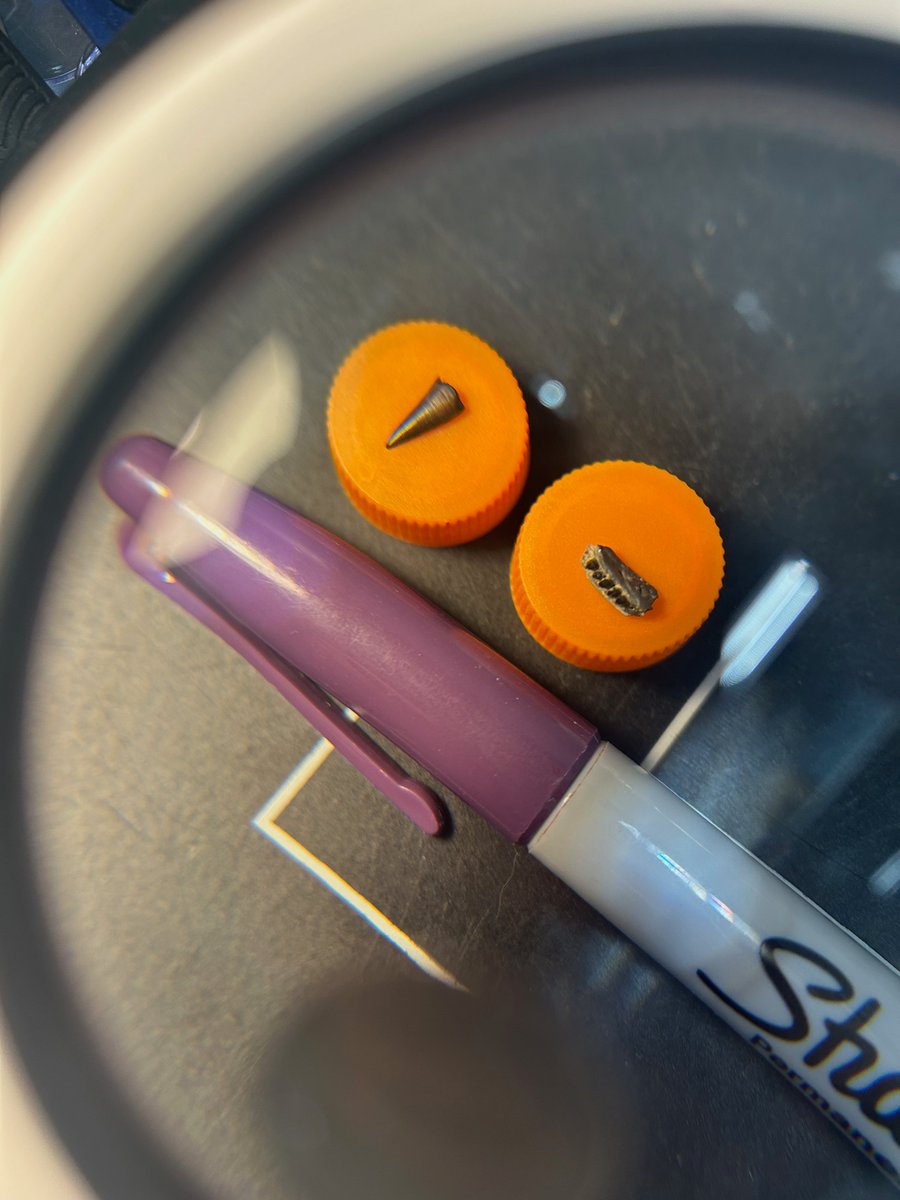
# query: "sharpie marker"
(321, 620)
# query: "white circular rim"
(72, 270)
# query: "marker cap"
(500, 741)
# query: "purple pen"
(320, 620)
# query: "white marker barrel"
(812, 998)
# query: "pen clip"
(413, 798)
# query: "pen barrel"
(809, 996)
(500, 741)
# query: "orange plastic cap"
(656, 524)
(453, 483)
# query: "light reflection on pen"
(690, 881)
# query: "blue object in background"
(61, 38)
(100, 19)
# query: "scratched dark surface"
(712, 268)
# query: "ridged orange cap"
(656, 524)
(453, 483)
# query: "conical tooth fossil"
(440, 404)
(615, 580)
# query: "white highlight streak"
(889, 266)
(250, 424)
(886, 880)
(266, 822)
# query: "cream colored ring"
(73, 271)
